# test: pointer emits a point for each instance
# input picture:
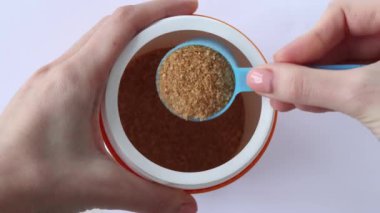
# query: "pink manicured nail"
(260, 80)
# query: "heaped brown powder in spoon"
(166, 139)
(195, 82)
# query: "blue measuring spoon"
(240, 73)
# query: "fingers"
(281, 106)
(311, 108)
(286, 107)
(312, 46)
(81, 42)
(111, 187)
(305, 87)
(348, 31)
(354, 50)
(362, 17)
(101, 51)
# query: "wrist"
(30, 186)
(30, 180)
(19, 187)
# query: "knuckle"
(67, 76)
(356, 91)
(298, 91)
(75, 75)
(68, 68)
(125, 12)
(43, 71)
(37, 77)
(123, 17)
(60, 86)
(320, 37)
(72, 85)
(57, 81)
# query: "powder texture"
(166, 139)
(195, 82)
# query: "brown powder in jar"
(195, 82)
(166, 139)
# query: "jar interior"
(172, 142)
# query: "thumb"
(112, 187)
(300, 85)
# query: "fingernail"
(260, 80)
(188, 208)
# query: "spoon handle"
(337, 66)
(242, 72)
(240, 81)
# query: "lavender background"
(315, 163)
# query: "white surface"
(142, 165)
(315, 163)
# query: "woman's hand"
(349, 32)
(51, 154)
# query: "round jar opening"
(172, 142)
